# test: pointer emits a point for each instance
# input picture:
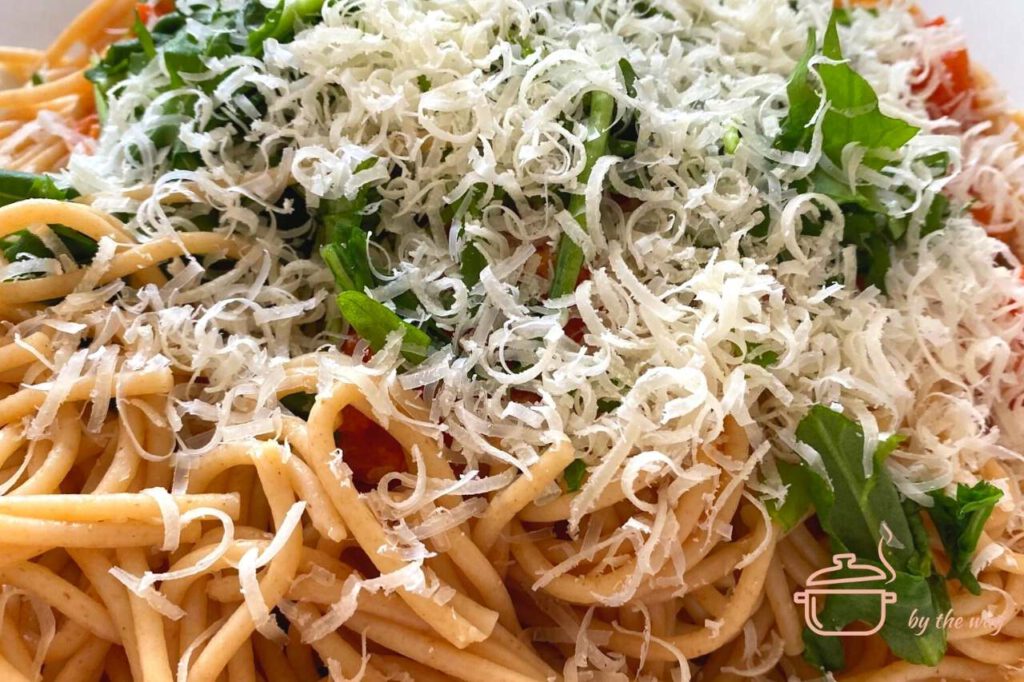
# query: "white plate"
(993, 30)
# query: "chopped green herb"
(471, 263)
(300, 404)
(17, 185)
(731, 140)
(960, 521)
(851, 115)
(569, 256)
(423, 83)
(574, 475)
(799, 480)
(373, 321)
(144, 37)
(628, 76)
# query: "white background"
(993, 28)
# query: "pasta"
(210, 472)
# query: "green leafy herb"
(525, 45)
(731, 140)
(574, 475)
(606, 405)
(799, 480)
(918, 596)
(960, 521)
(471, 263)
(144, 37)
(803, 102)
(628, 76)
(423, 83)
(279, 22)
(756, 354)
(345, 247)
(373, 321)
(300, 404)
(861, 514)
(851, 116)
(860, 504)
(16, 186)
(569, 256)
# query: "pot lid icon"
(854, 572)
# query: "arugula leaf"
(852, 508)
(914, 594)
(628, 76)
(471, 263)
(277, 22)
(731, 140)
(23, 243)
(373, 321)
(345, 247)
(803, 102)
(960, 521)
(800, 480)
(300, 404)
(852, 115)
(859, 509)
(17, 185)
(144, 37)
(574, 475)
(569, 256)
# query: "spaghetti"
(163, 517)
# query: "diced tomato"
(544, 267)
(525, 397)
(348, 347)
(575, 329)
(369, 451)
(982, 213)
(145, 12)
(628, 204)
(957, 83)
(148, 11)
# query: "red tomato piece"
(957, 83)
(145, 12)
(369, 451)
(575, 329)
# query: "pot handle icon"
(889, 598)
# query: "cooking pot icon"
(824, 582)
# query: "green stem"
(569, 257)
